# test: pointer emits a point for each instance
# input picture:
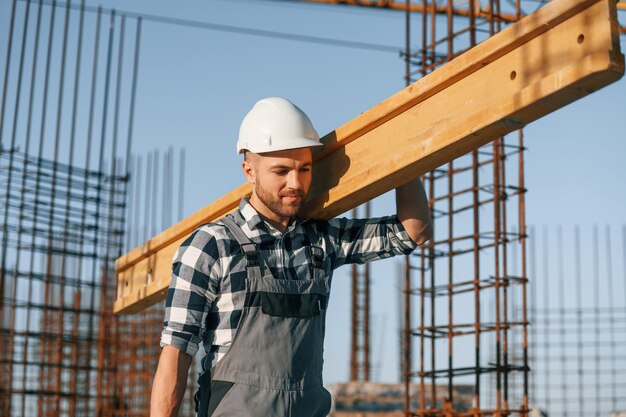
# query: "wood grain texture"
(549, 59)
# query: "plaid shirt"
(206, 296)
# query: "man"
(254, 286)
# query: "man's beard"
(276, 205)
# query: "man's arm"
(188, 301)
(365, 240)
(169, 383)
(412, 211)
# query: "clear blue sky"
(195, 86)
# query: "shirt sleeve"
(192, 290)
(364, 240)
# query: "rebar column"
(360, 365)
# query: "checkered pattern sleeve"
(192, 290)
(364, 240)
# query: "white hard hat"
(276, 124)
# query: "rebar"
(471, 209)
(63, 222)
(583, 373)
(360, 366)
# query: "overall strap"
(248, 248)
(316, 253)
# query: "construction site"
(118, 126)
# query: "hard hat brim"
(293, 144)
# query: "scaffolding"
(360, 362)
(474, 200)
(150, 208)
(64, 181)
(444, 311)
(578, 339)
(66, 215)
(61, 230)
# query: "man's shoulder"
(323, 228)
(214, 228)
(207, 234)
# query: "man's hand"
(412, 211)
(169, 383)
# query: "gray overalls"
(274, 364)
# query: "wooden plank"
(549, 59)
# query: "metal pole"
(612, 311)
(74, 354)
(624, 269)
(354, 375)
(523, 238)
(53, 197)
(497, 277)
(137, 235)
(112, 328)
(90, 126)
(76, 80)
(167, 188)
(147, 199)
(131, 121)
(407, 44)
(37, 190)
(561, 309)
(476, 286)
(424, 50)
(596, 298)
(431, 246)
(407, 336)
(155, 199)
(165, 200)
(505, 275)
(533, 316)
(579, 320)
(450, 267)
(5, 231)
(5, 234)
(118, 87)
(546, 318)
(25, 175)
(132, 190)
(422, 328)
(133, 94)
(181, 184)
(103, 329)
(7, 68)
(406, 342)
(450, 33)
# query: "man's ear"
(249, 172)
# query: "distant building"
(367, 399)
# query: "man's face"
(281, 181)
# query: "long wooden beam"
(562, 52)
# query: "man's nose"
(294, 180)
